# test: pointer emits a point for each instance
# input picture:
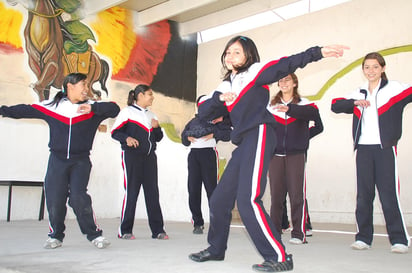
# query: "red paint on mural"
(147, 54)
(6, 48)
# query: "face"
(235, 56)
(145, 99)
(372, 70)
(286, 84)
(78, 92)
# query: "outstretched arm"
(275, 70)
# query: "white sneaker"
(309, 232)
(295, 241)
(52, 243)
(359, 245)
(399, 248)
(101, 242)
(289, 229)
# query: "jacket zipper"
(150, 143)
(69, 139)
(286, 132)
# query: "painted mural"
(109, 46)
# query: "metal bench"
(11, 183)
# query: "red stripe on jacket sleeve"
(401, 96)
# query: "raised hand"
(333, 50)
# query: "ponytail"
(131, 98)
(133, 94)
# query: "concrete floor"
(21, 250)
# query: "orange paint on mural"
(10, 24)
(115, 36)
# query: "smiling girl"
(244, 94)
(377, 108)
(287, 167)
(73, 121)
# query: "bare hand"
(191, 139)
(207, 137)
(84, 108)
(281, 108)
(362, 103)
(217, 120)
(228, 96)
(333, 50)
(155, 123)
(132, 142)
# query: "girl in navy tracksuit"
(203, 160)
(245, 95)
(377, 109)
(137, 129)
(287, 167)
(73, 121)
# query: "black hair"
(141, 88)
(72, 78)
(250, 51)
(198, 99)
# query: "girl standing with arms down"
(377, 109)
(137, 129)
(245, 95)
(287, 167)
(73, 121)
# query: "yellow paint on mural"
(10, 24)
(116, 38)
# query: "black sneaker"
(273, 266)
(204, 256)
(198, 230)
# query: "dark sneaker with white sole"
(198, 230)
(204, 256)
(273, 266)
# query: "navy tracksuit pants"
(140, 170)
(244, 180)
(67, 179)
(376, 167)
(202, 169)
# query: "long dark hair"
(251, 54)
(72, 78)
(133, 94)
(295, 95)
(379, 58)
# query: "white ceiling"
(193, 15)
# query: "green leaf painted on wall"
(71, 47)
(79, 31)
(69, 6)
